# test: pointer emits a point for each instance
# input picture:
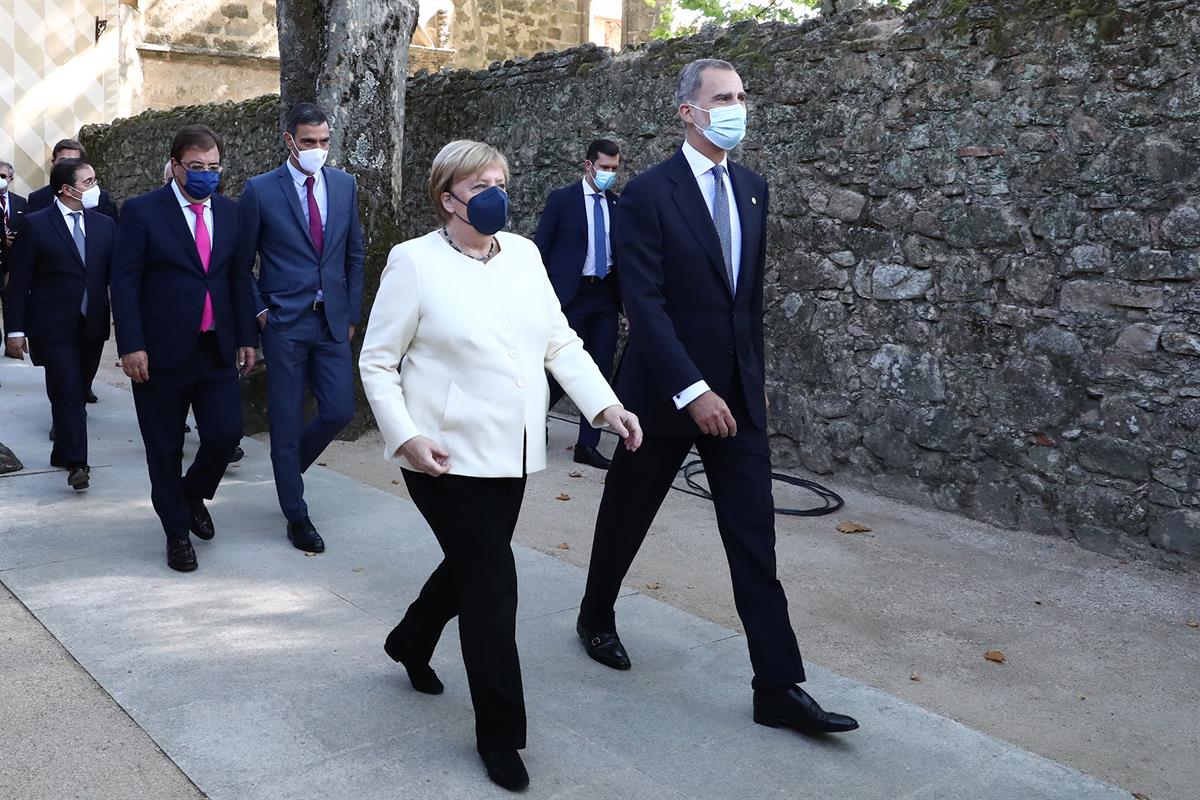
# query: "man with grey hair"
(691, 240)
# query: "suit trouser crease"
(303, 356)
(473, 520)
(739, 475)
(592, 313)
(209, 386)
(70, 365)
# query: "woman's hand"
(626, 425)
(426, 455)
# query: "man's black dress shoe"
(55, 461)
(78, 477)
(604, 647)
(505, 768)
(305, 537)
(51, 433)
(199, 520)
(421, 675)
(592, 457)
(180, 555)
(794, 708)
(238, 455)
(91, 397)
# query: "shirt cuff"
(689, 394)
(16, 335)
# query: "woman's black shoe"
(422, 676)
(505, 768)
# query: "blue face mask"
(487, 212)
(201, 184)
(604, 180)
(726, 125)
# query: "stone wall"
(483, 31)
(230, 26)
(982, 286)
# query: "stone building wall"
(983, 284)
(483, 31)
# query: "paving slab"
(262, 674)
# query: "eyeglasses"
(196, 166)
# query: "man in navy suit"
(691, 237)
(44, 197)
(58, 296)
(302, 222)
(12, 208)
(184, 315)
(574, 238)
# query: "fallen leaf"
(852, 527)
(1037, 602)
(357, 569)
(652, 585)
(563, 496)
(322, 464)
(914, 677)
(995, 655)
(569, 448)
(1193, 623)
(574, 474)
(564, 546)
(395, 481)
(309, 555)
(1140, 796)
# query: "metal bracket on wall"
(101, 26)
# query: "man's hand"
(426, 455)
(712, 415)
(262, 319)
(246, 358)
(351, 331)
(625, 424)
(136, 365)
(16, 347)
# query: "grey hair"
(691, 76)
(11, 168)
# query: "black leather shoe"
(305, 537)
(505, 768)
(794, 708)
(604, 646)
(79, 476)
(180, 555)
(238, 455)
(592, 457)
(421, 675)
(91, 397)
(200, 521)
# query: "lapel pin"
(754, 201)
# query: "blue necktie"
(721, 220)
(600, 237)
(81, 247)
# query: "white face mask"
(90, 198)
(3, 185)
(312, 159)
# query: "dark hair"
(606, 146)
(305, 114)
(67, 144)
(63, 173)
(196, 136)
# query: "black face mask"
(487, 212)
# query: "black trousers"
(70, 365)
(592, 314)
(739, 476)
(473, 520)
(210, 387)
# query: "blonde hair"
(457, 160)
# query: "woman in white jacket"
(463, 329)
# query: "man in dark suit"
(12, 208)
(44, 197)
(58, 296)
(691, 238)
(574, 238)
(184, 316)
(301, 220)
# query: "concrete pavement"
(262, 674)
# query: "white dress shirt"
(589, 263)
(191, 217)
(458, 350)
(66, 212)
(320, 192)
(702, 170)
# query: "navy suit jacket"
(685, 324)
(158, 282)
(44, 198)
(562, 237)
(47, 277)
(290, 271)
(17, 208)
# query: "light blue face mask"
(604, 180)
(726, 125)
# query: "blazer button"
(512, 353)
(730, 350)
(506, 325)
(521, 382)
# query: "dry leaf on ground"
(1193, 623)
(564, 546)
(395, 481)
(574, 474)
(653, 585)
(996, 656)
(1140, 796)
(322, 464)
(357, 569)
(852, 527)
(309, 555)
(914, 677)
(563, 496)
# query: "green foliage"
(727, 12)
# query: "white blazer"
(457, 350)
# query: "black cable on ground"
(831, 500)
